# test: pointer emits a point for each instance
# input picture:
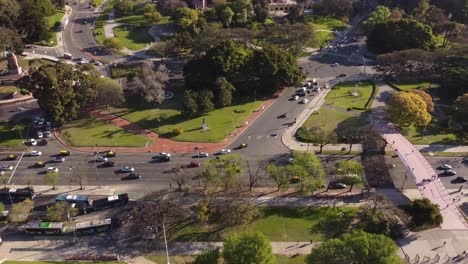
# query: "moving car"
(64, 153)
(39, 134)
(59, 159)
(52, 169)
(127, 169)
(295, 97)
(33, 142)
(108, 164)
(111, 154)
(225, 151)
(6, 167)
(445, 167)
(68, 56)
(203, 155)
(342, 75)
(35, 153)
(101, 159)
(132, 176)
(39, 164)
(48, 134)
(18, 109)
(304, 101)
(163, 156)
(450, 173)
(461, 179)
(194, 164)
(11, 157)
(243, 145)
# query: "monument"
(13, 67)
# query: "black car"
(132, 176)
(42, 142)
(342, 75)
(461, 179)
(108, 164)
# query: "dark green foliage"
(424, 213)
(224, 91)
(248, 248)
(376, 222)
(400, 35)
(454, 82)
(123, 7)
(210, 256)
(190, 106)
(205, 101)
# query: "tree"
(164, 48)
(424, 213)
(224, 92)
(427, 99)
(357, 247)
(248, 248)
(253, 177)
(185, 19)
(309, 168)
(280, 175)
(460, 112)
(20, 211)
(123, 8)
(379, 222)
(169, 7)
(421, 10)
(452, 31)
(151, 14)
(113, 44)
(2, 207)
(350, 171)
(399, 35)
(51, 178)
(408, 108)
(224, 171)
(334, 8)
(205, 101)
(454, 82)
(33, 24)
(380, 15)
(190, 106)
(225, 14)
(9, 12)
(79, 176)
(109, 93)
(237, 211)
(152, 84)
(209, 256)
(324, 137)
(10, 41)
(60, 212)
(180, 178)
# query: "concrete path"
(415, 162)
(110, 24)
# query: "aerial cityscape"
(233, 131)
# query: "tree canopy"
(380, 15)
(357, 247)
(408, 108)
(248, 248)
(424, 212)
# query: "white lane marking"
(14, 170)
(249, 137)
(259, 137)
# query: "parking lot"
(460, 167)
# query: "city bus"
(11, 195)
(93, 227)
(44, 228)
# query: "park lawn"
(325, 23)
(221, 122)
(437, 132)
(330, 120)
(53, 23)
(9, 89)
(98, 30)
(90, 132)
(321, 39)
(61, 262)
(413, 84)
(139, 20)
(134, 38)
(277, 224)
(341, 96)
(12, 138)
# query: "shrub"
(178, 131)
(239, 111)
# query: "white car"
(127, 169)
(48, 134)
(225, 151)
(101, 159)
(52, 169)
(446, 167)
(39, 134)
(33, 142)
(295, 97)
(35, 153)
(203, 155)
(59, 159)
(304, 101)
(6, 167)
(18, 109)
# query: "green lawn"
(90, 131)
(437, 132)
(139, 20)
(333, 120)
(53, 22)
(280, 259)
(96, 3)
(9, 89)
(61, 262)
(326, 23)
(412, 85)
(278, 224)
(321, 39)
(134, 38)
(341, 96)
(101, 21)
(164, 119)
(11, 136)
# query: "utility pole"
(165, 242)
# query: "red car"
(194, 164)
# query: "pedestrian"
(445, 243)
(170, 186)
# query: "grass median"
(11, 137)
(341, 96)
(413, 85)
(134, 38)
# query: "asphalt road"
(8, 112)
(461, 168)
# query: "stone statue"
(13, 67)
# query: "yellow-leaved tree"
(407, 109)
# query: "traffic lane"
(10, 112)
(326, 68)
(460, 167)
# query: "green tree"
(454, 81)
(350, 171)
(357, 247)
(323, 137)
(60, 212)
(151, 14)
(20, 211)
(309, 168)
(123, 7)
(399, 35)
(280, 175)
(51, 178)
(236, 212)
(9, 12)
(225, 14)
(209, 256)
(408, 108)
(380, 15)
(185, 19)
(421, 9)
(379, 222)
(205, 101)
(248, 248)
(2, 207)
(190, 106)
(10, 41)
(224, 92)
(33, 24)
(460, 113)
(109, 93)
(113, 44)
(226, 170)
(424, 213)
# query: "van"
(68, 56)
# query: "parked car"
(450, 173)
(225, 151)
(48, 134)
(33, 142)
(194, 164)
(203, 155)
(132, 176)
(59, 159)
(52, 169)
(101, 159)
(18, 109)
(39, 164)
(461, 179)
(108, 164)
(304, 101)
(11, 157)
(6, 167)
(35, 153)
(127, 169)
(446, 167)
(294, 97)
(342, 75)
(39, 134)
(68, 56)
